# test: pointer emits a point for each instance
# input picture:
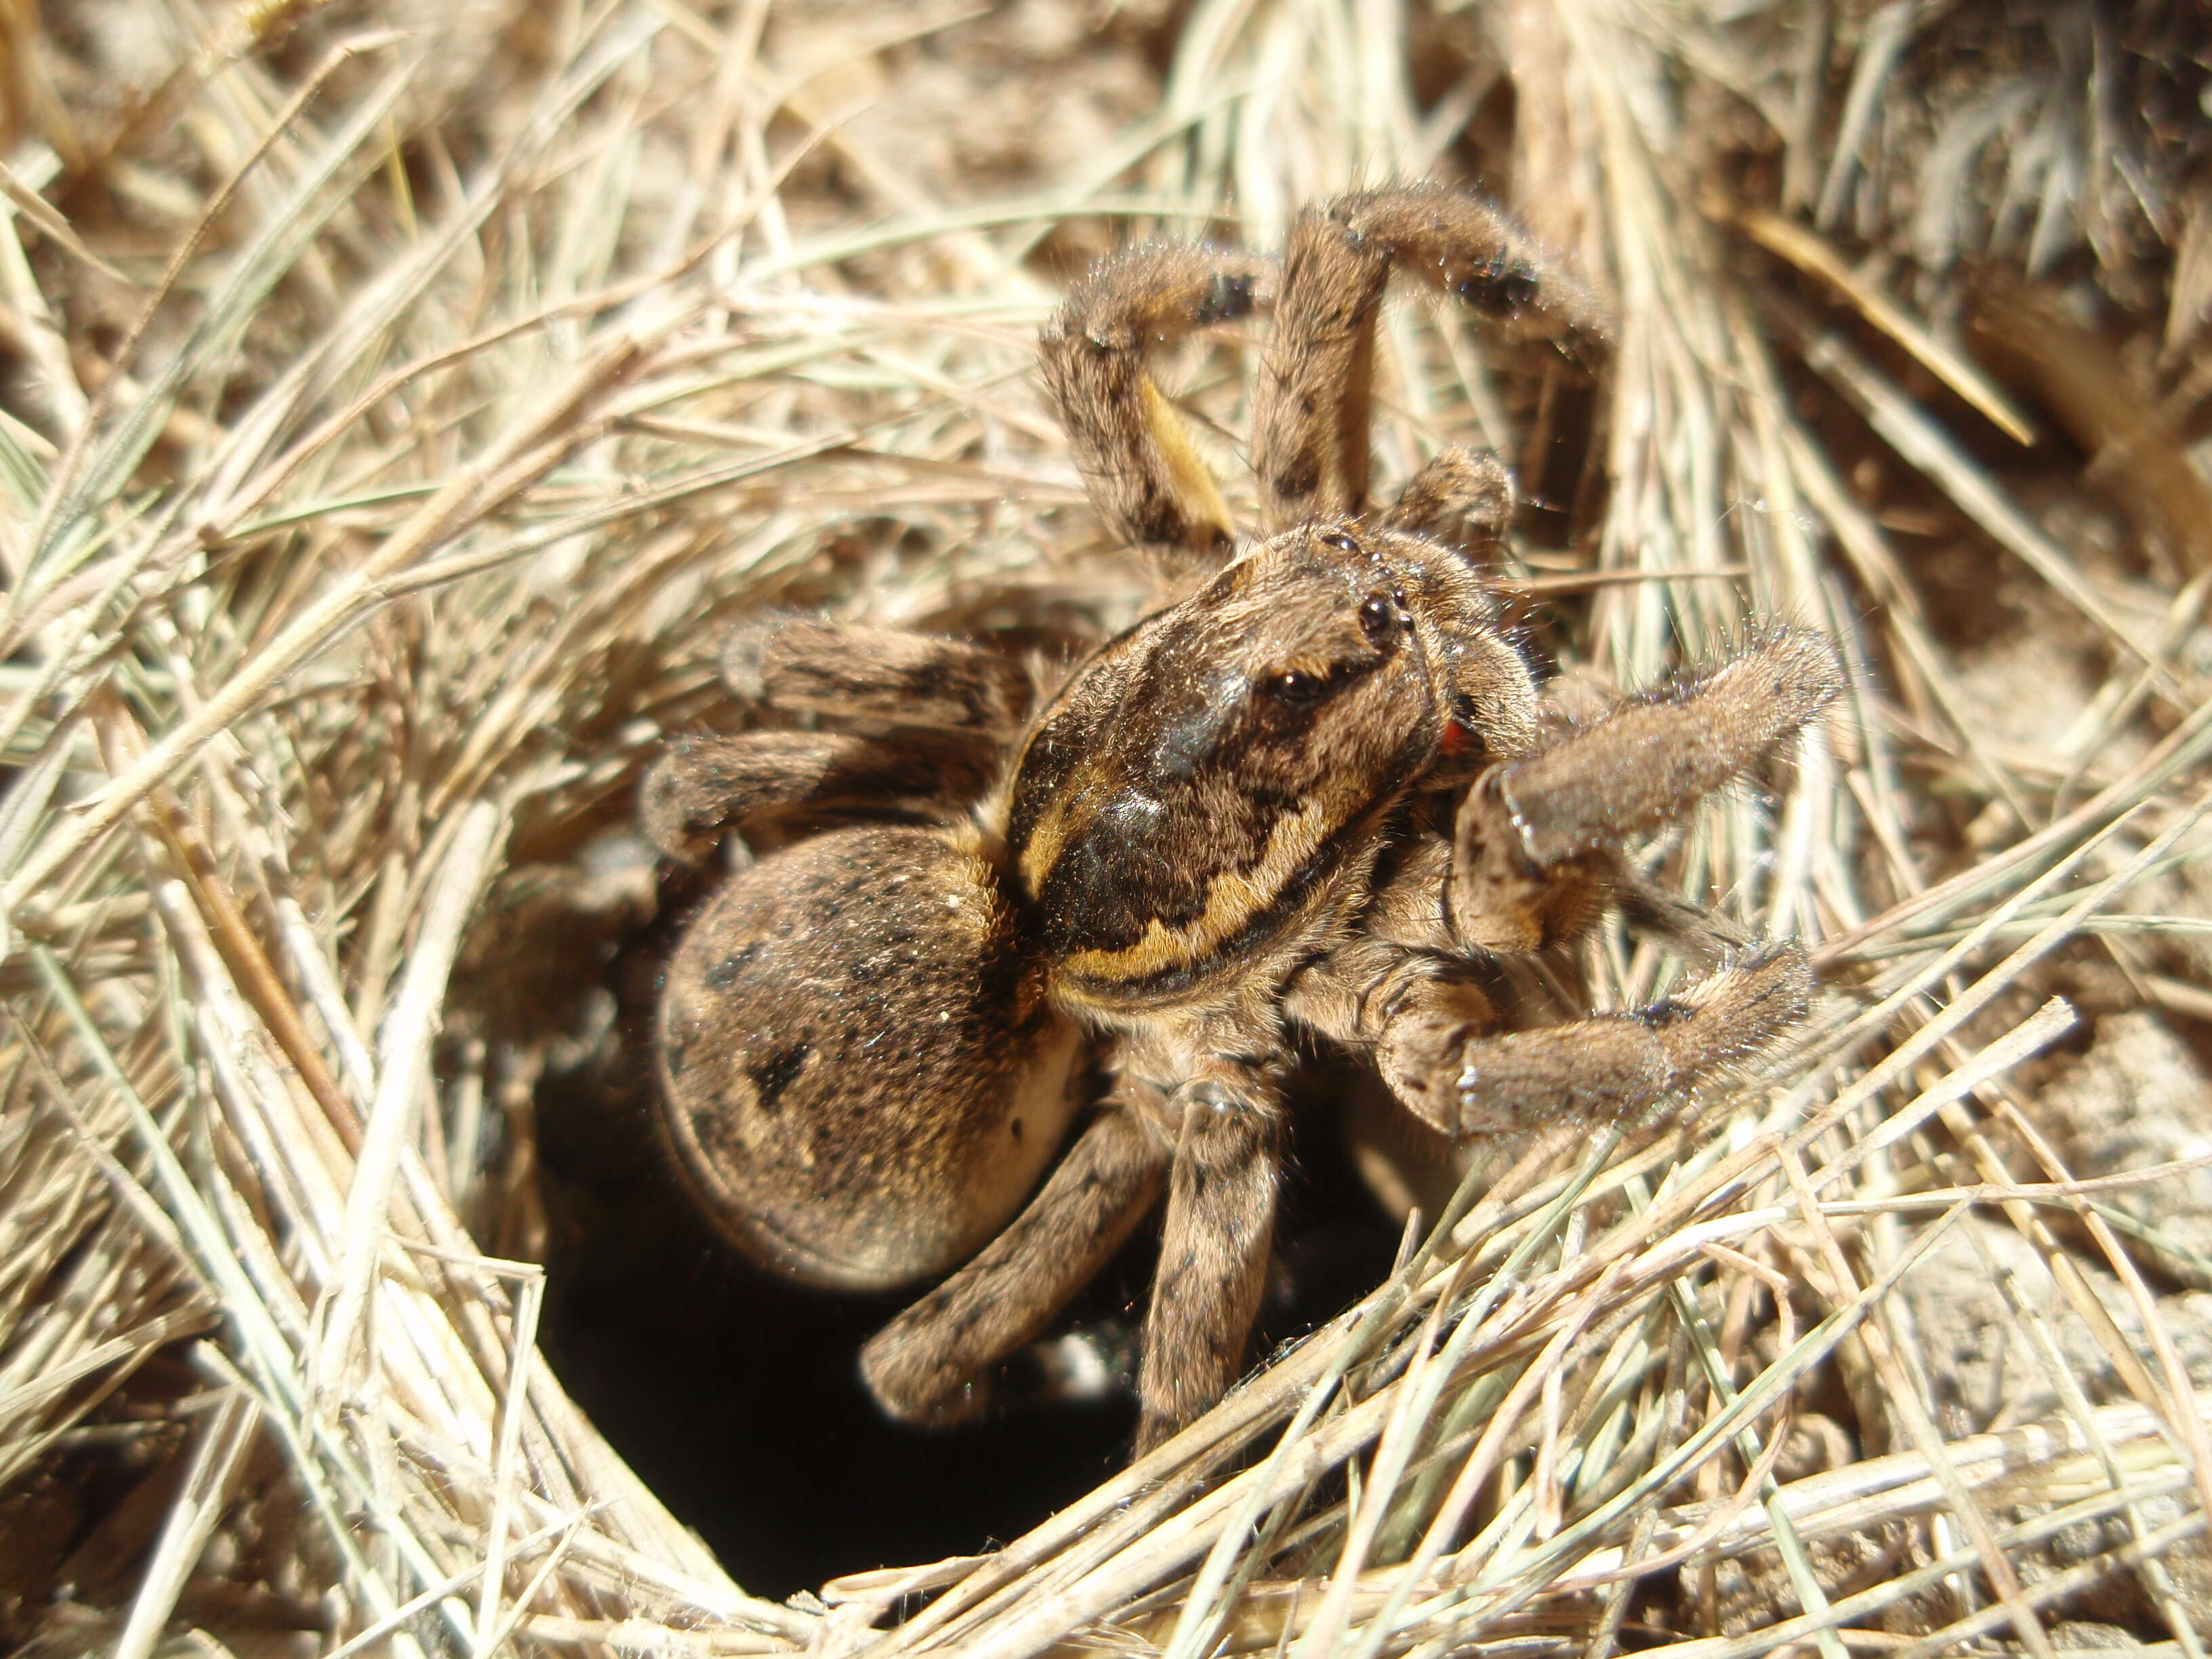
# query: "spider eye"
(1288, 703)
(1340, 542)
(1378, 618)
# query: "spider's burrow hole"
(738, 1397)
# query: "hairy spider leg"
(1440, 1055)
(1464, 498)
(1144, 475)
(704, 787)
(893, 676)
(1309, 429)
(953, 706)
(1534, 852)
(929, 1364)
(1214, 1244)
(1535, 826)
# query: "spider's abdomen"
(860, 1075)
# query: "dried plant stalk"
(402, 415)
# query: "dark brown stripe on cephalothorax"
(1231, 955)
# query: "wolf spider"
(1317, 796)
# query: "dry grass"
(398, 415)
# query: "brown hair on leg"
(812, 665)
(1310, 440)
(1143, 472)
(926, 1364)
(703, 786)
(1213, 1248)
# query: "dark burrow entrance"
(737, 1397)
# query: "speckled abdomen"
(860, 1076)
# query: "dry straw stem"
(405, 414)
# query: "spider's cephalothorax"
(1216, 781)
(1314, 795)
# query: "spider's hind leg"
(1214, 1242)
(890, 676)
(939, 712)
(703, 787)
(928, 1364)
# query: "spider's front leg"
(1533, 849)
(1432, 1029)
(1533, 844)
(1142, 473)
(1441, 1055)
(1531, 857)
(1214, 1242)
(1310, 437)
(1217, 1141)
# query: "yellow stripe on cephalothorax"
(1233, 900)
(1046, 838)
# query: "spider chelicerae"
(1319, 797)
